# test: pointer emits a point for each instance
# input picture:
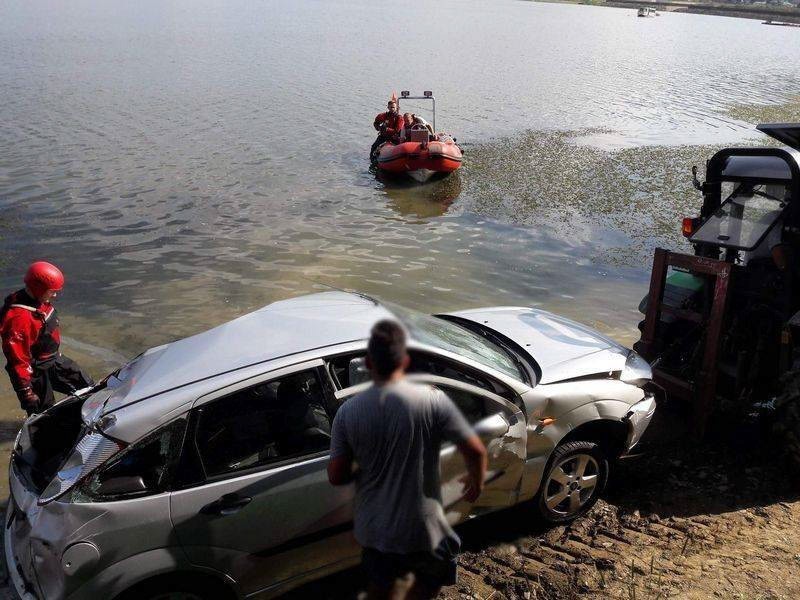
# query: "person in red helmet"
(388, 125)
(31, 341)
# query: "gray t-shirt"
(394, 433)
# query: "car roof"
(275, 331)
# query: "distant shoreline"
(749, 11)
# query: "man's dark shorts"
(436, 568)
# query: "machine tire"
(787, 416)
(572, 455)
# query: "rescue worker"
(387, 439)
(411, 119)
(31, 341)
(388, 125)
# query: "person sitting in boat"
(388, 125)
(409, 121)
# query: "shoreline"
(777, 16)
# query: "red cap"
(43, 277)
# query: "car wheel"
(574, 479)
(787, 416)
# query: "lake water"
(188, 161)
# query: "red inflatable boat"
(420, 159)
(420, 153)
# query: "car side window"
(263, 424)
(349, 369)
(472, 406)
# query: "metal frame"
(405, 95)
(715, 167)
(703, 392)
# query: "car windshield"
(454, 338)
(745, 218)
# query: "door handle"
(227, 505)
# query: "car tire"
(576, 475)
(178, 587)
(787, 416)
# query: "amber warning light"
(689, 225)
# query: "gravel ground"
(719, 519)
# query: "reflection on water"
(189, 161)
(421, 201)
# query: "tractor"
(722, 325)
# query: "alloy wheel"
(571, 484)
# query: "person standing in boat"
(31, 341)
(388, 125)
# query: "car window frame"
(190, 451)
(344, 394)
(515, 397)
(172, 467)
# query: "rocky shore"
(774, 14)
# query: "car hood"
(562, 348)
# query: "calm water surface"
(187, 161)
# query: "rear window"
(745, 218)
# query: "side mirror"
(491, 427)
(122, 485)
(357, 371)
(695, 181)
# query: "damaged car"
(198, 470)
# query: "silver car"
(198, 470)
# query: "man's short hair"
(387, 347)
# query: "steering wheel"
(419, 127)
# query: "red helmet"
(43, 277)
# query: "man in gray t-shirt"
(393, 432)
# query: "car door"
(260, 507)
(501, 426)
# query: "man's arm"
(340, 466)
(340, 470)
(378, 123)
(456, 429)
(474, 453)
(17, 337)
(17, 342)
(393, 128)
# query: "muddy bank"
(680, 520)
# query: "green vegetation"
(786, 112)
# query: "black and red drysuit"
(31, 342)
(388, 126)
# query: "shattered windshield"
(745, 218)
(454, 338)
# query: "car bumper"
(20, 587)
(638, 418)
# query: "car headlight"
(92, 451)
(637, 370)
